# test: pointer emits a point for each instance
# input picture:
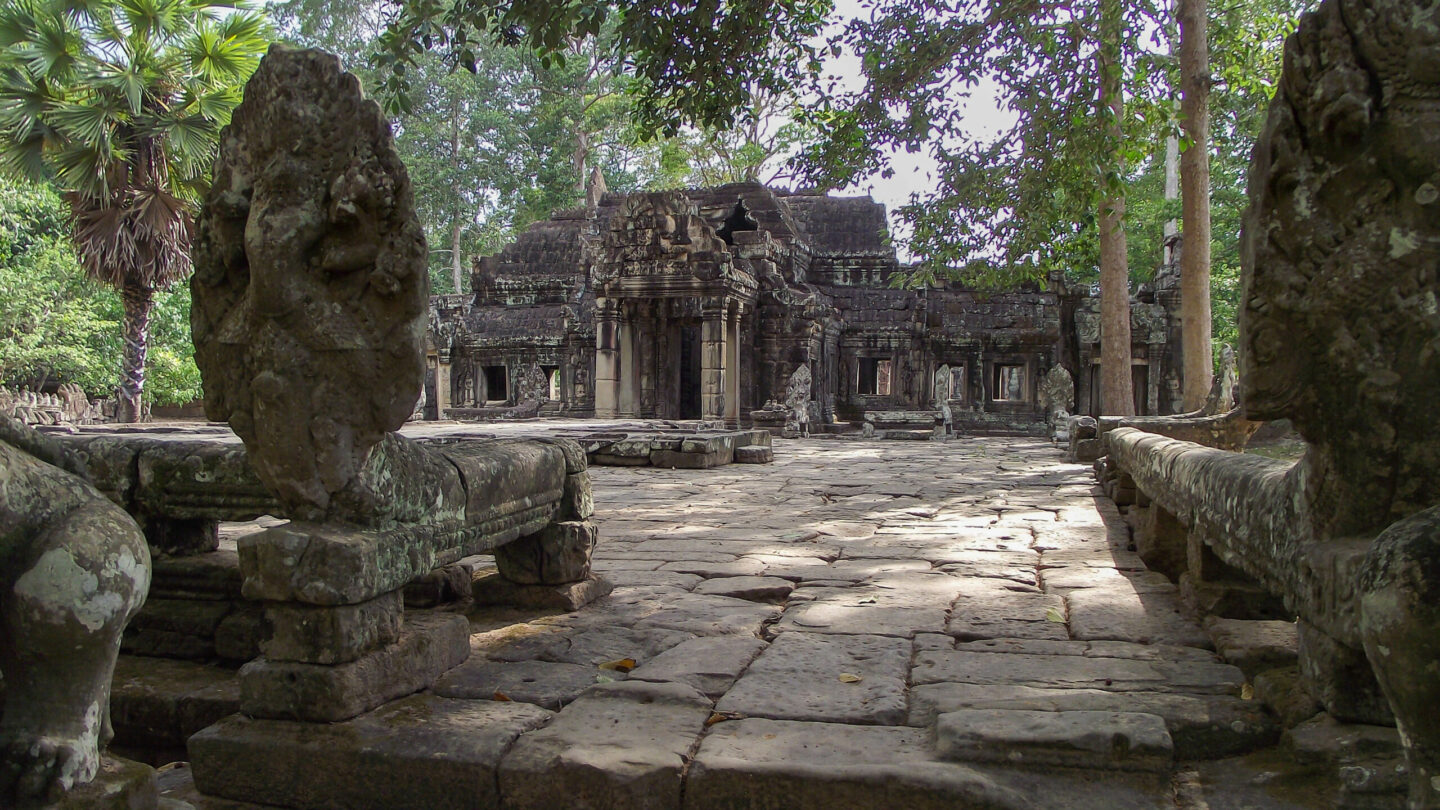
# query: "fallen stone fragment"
(710, 664)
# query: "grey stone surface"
(709, 664)
(1254, 646)
(751, 589)
(1146, 617)
(495, 589)
(428, 646)
(621, 745)
(420, 752)
(157, 703)
(800, 678)
(1200, 726)
(1129, 741)
(1075, 672)
(331, 634)
(546, 684)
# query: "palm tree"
(120, 104)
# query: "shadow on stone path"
(857, 625)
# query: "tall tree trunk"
(1116, 386)
(457, 269)
(138, 300)
(1195, 204)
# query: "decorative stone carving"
(533, 384)
(797, 401)
(1057, 395)
(941, 392)
(310, 290)
(74, 568)
(1340, 250)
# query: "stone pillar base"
(120, 785)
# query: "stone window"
(957, 383)
(1009, 383)
(496, 388)
(875, 376)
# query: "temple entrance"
(689, 365)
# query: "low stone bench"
(919, 425)
(680, 450)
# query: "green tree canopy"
(120, 104)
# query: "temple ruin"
(704, 304)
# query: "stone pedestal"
(120, 785)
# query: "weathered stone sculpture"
(797, 402)
(1341, 250)
(74, 568)
(1057, 396)
(310, 289)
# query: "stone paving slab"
(931, 576)
(803, 676)
(1127, 741)
(623, 745)
(422, 752)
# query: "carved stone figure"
(533, 384)
(1057, 395)
(797, 401)
(941, 393)
(310, 290)
(74, 568)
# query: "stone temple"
(706, 304)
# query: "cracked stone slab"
(1007, 614)
(1127, 741)
(1144, 617)
(621, 745)
(1200, 726)
(829, 617)
(1075, 672)
(546, 684)
(710, 664)
(846, 767)
(588, 646)
(799, 678)
(773, 590)
(1255, 646)
(421, 752)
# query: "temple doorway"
(690, 367)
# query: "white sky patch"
(913, 172)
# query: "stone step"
(1127, 741)
(156, 703)
(423, 752)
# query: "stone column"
(646, 338)
(732, 368)
(607, 358)
(442, 384)
(629, 372)
(712, 360)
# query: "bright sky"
(913, 172)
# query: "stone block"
(505, 477)
(799, 678)
(429, 645)
(688, 460)
(1282, 690)
(558, 554)
(181, 537)
(754, 454)
(548, 684)
(1160, 539)
(331, 634)
(1200, 726)
(1254, 646)
(1076, 672)
(321, 564)
(448, 583)
(575, 459)
(620, 745)
(750, 588)
(238, 636)
(215, 575)
(1341, 679)
(758, 763)
(710, 664)
(1130, 741)
(495, 589)
(577, 502)
(120, 784)
(423, 752)
(157, 703)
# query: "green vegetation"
(119, 105)
(505, 109)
